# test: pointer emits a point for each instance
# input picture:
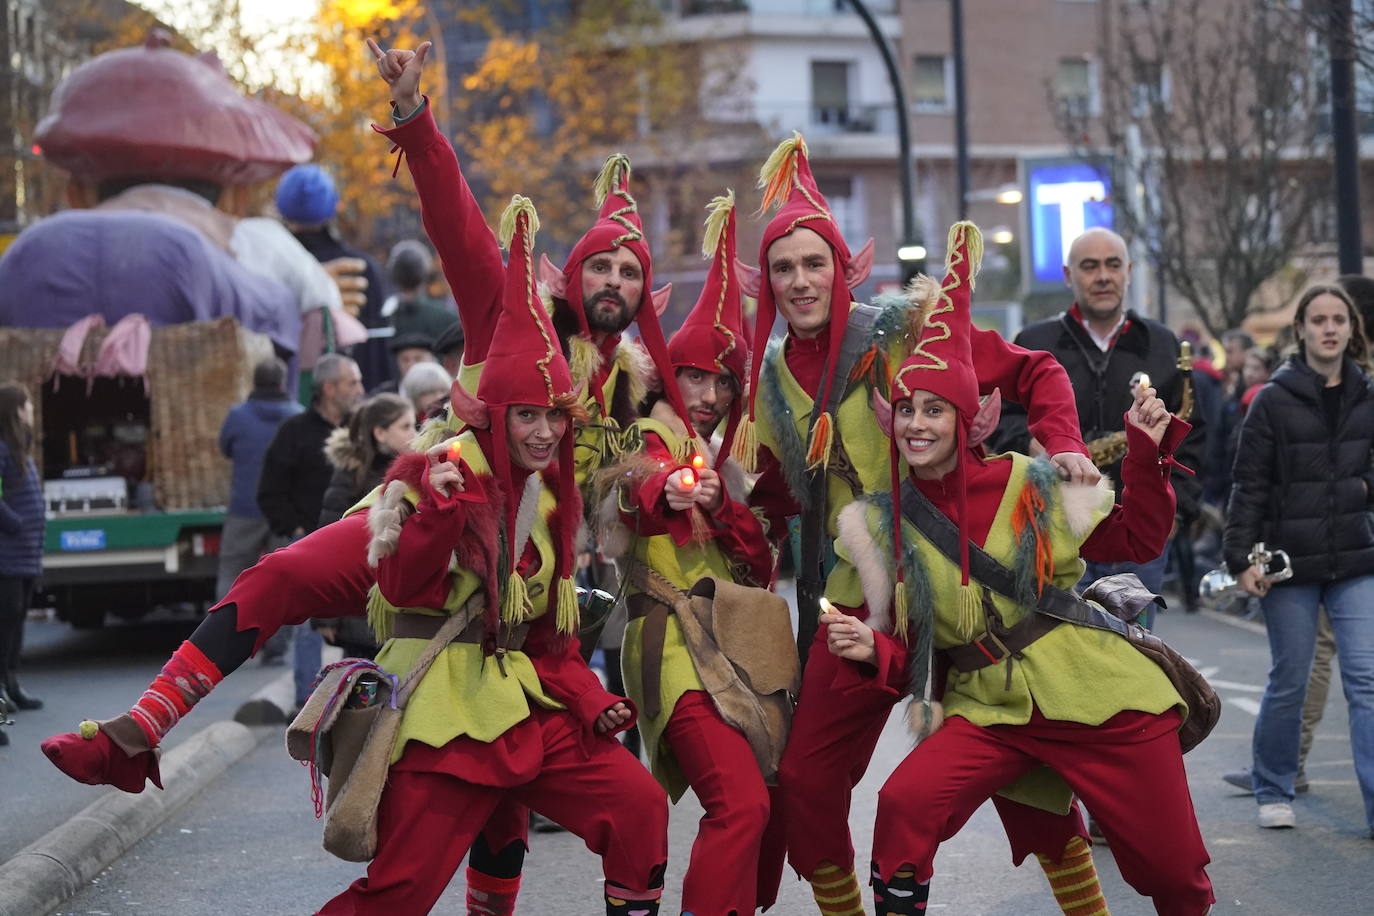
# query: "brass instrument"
(1219, 583)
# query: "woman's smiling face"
(925, 428)
(533, 433)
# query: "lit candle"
(455, 451)
(827, 607)
(687, 478)
(1144, 381)
(698, 462)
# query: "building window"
(1074, 86)
(1150, 88)
(930, 83)
(830, 92)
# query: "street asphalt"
(234, 831)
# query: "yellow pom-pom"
(615, 171)
(569, 614)
(779, 171)
(87, 729)
(716, 220)
(515, 601)
(519, 205)
(969, 613)
(822, 439)
(972, 238)
(746, 446)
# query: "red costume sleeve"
(417, 574)
(567, 679)
(1138, 529)
(455, 223)
(1035, 380)
(885, 674)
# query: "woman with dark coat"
(1302, 483)
(380, 429)
(21, 541)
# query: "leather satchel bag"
(347, 731)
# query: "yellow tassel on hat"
(899, 611)
(973, 240)
(745, 449)
(779, 172)
(515, 601)
(609, 178)
(569, 614)
(822, 439)
(716, 220)
(505, 230)
(969, 612)
(87, 729)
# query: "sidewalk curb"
(45, 874)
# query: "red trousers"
(828, 750)
(737, 858)
(427, 822)
(1128, 771)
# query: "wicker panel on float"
(196, 372)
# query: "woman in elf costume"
(1079, 700)
(486, 529)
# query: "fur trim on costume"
(1083, 504)
(385, 520)
(916, 718)
(637, 365)
(608, 487)
(870, 563)
(525, 513)
(584, 359)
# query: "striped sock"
(489, 896)
(836, 891)
(1074, 880)
(900, 895)
(621, 901)
(183, 682)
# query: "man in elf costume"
(812, 433)
(671, 524)
(483, 528)
(983, 544)
(595, 296)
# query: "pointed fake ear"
(553, 278)
(882, 409)
(860, 266)
(750, 278)
(986, 419)
(468, 407)
(660, 298)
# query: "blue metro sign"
(1064, 197)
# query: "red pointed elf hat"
(942, 363)
(619, 225)
(713, 336)
(525, 365)
(789, 185)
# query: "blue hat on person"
(306, 194)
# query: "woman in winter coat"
(21, 540)
(380, 429)
(1302, 483)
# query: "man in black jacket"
(1106, 349)
(295, 474)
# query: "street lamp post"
(956, 22)
(909, 242)
(1345, 136)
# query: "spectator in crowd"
(21, 541)
(243, 439)
(1236, 344)
(411, 310)
(295, 474)
(424, 385)
(380, 429)
(307, 200)
(1106, 348)
(448, 346)
(1303, 480)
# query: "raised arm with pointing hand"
(401, 70)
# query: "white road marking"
(1233, 685)
(1245, 703)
